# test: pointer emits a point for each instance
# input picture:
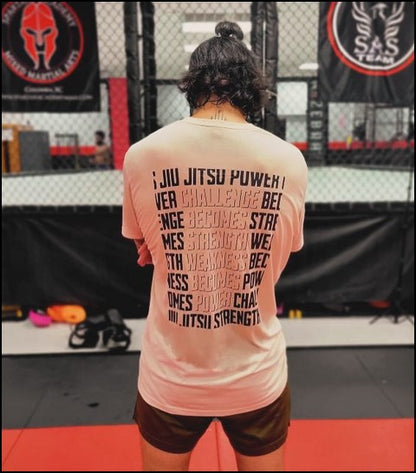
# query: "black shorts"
(252, 433)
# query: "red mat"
(313, 445)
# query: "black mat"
(100, 389)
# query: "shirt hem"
(213, 412)
(131, 235)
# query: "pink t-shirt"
(221, 206)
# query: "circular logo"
(373, 38)
(43, 42)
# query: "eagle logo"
(374, 38)
(377, 39)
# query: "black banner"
(49, 57)
(350, 255)
(366, 52)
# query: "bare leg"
(159, 460)
(270, 462)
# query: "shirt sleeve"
(297, 243)
(298, 240)
(130, 227)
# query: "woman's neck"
(224, 111)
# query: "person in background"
(216, 204)
(102, 157)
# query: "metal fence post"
(133, 71)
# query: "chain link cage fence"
(357, 152)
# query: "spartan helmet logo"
(38, 30)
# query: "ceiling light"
(190, 48)
(209, 26)
(308, 66)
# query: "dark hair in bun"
(223, 66)
(226, 29)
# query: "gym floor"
(352, 410)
